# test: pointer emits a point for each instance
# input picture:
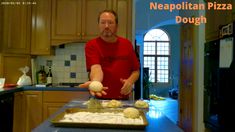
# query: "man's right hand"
(93, 93)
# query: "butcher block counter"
(157, 121)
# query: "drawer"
(64, 96)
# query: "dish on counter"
(10, 85)
(101, 118)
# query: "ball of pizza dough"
(96, 86)
(131, 112)
(114, 104)
(141, 104)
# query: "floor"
(169, 107)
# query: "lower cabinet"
(53, 100)
(33, 107)
(27, 110)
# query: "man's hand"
(126, 88)
(93, 93)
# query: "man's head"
(108, 23)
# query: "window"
(157, 55)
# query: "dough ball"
(114, 104)
(131, 112)
(96, 86)
(141, 104)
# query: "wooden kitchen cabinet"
(19, 112)
(1, 28)
(1, 65)
(66, 21)
(215, 19)
(76, 20)
(233, 11)
(41, 28)
(32, 107)
(16, 28)
(10, 64)
(124, 11)
(27, 110)
(53, 100)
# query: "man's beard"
(107, 33)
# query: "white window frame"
(157, 41)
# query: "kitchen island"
(157, 121)
(33, 105)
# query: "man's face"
(107, 25)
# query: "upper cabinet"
(1, 32)
(124, 11)
(66, 21)
(77, 20)
(41, 28)
(233, 11)
(34, 29)
(215, 19)
(16, 29)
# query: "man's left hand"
(126, 88)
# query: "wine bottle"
(49, 76)
(41, 75)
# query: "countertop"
(33, 88)
(157, 121)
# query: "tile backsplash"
(68, 64)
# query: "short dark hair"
(109, 11)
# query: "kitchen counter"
(157, 121)
(33, 88)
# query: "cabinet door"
(53, 100)
(16, 28)
(19, 112)
(124, 10)
(66, 21)
(215, 19)
(41, 23)
(11, 64)
(90, 12)
(1, 65)
(33, 109)
(27, 110)
(50, 108)
(1, 27)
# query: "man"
(111, 60)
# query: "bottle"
(41, 75)
(49, 76)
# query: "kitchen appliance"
(6, 112)
(219, 71)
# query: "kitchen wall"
(68, 63)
